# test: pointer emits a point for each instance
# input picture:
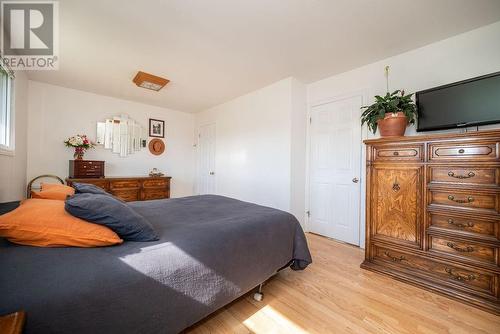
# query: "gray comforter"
(212, 250)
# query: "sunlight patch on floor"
(281, 324)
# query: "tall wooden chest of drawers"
(433, 214)
(131, 188)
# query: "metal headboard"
(28, 189)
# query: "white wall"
(457, 58)
(13, 167)
(254, 146)
(55, 113)
(298, 133)
(461, 57)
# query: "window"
(6, 142)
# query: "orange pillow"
(45, 223)
(53, 191)
(52, 186)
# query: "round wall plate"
(156, 146)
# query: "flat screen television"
(465, 103)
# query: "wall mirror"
(120, 134)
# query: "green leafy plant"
(393, 102)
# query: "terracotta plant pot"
(393, 125)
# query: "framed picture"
(156, 128)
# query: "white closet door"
(335, 167)
(206, 159)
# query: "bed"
(212, 250)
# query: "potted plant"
(80, 143)
(390, 113)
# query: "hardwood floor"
(333, 295)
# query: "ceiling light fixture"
(149, 81)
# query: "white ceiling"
(215, 50)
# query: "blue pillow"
(89, 188)
(110, 212)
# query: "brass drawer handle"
(469, 175)
(393, 258)
(458, 277)
(468, 249)
(469, 199)
(460, 225)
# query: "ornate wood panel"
(397, 199)
(433, 213)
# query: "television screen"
(466, 103)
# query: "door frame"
(198, 160)
(363, 93)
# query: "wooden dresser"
(433, 214)
(131, 188)
(80, 169)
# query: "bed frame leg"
(259, 295)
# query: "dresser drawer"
(471, 279)
(155, 183)
(487, 228)
(124, 184)
(126, 195)
(397, 153)
(488, 176)
(463, 249)
(80, 163)
(486, 202)
(464, 151)
(89, 173)
(88, 168)
(102, 183)
(150, 194)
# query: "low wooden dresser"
(433, 214)
(131, 188)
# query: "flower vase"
(79, 151)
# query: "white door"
(335, 167)
(206, 159)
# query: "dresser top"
(142, 177)
(436, 137)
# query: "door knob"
(212, 173)
(355, 180)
